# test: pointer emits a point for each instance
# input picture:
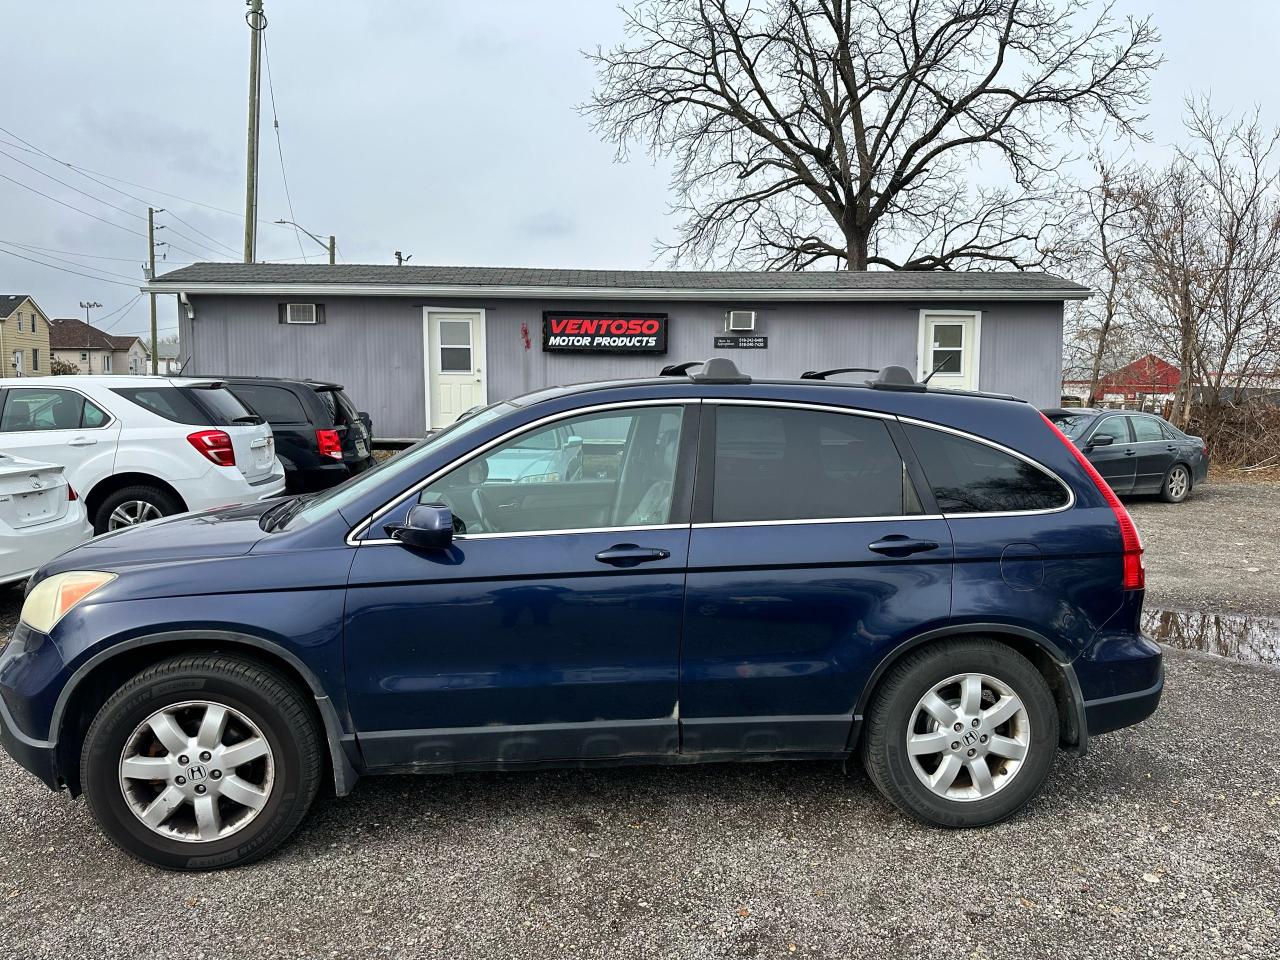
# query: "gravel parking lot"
(1164, 841)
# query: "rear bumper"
(1123, 710)
(322, 476)
(22, 553)
(224, 486)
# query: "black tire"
(274, 704)
(1168, 488)
(166, 503)
(892, 709)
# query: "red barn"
(1149, 376)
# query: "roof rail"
(823, 374)
(714, 370)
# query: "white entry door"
(454, 345)
(949, 349)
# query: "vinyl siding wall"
(373, 345)
(15, 339)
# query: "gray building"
(416, 346)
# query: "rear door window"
(971, 477)
(1146, 429)
(276, 404)
(779, 463)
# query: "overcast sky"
(446, 130)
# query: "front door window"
(610, 469)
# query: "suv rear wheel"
(132, 505)
(201, 762)
(961, 733)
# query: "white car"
(40, 516)
(141, 448)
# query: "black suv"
(320, 437)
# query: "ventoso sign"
(604, 332)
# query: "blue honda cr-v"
(936, 581)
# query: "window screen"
(971, 477)
(775, 463)
(277, 404)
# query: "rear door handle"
(1172, 448)
(628, 555)
(82, 441)
(1131, 452)
(897, 545)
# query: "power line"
(72, 253)
(69, 186)
(69, 206)
(65, 270)
(85, 266)
(275, 122)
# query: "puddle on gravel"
(1251, 639)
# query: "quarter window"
(275, 404)
(971, 477)
(609, 469)
(777, 463)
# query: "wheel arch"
(1045, 655)
(118, 481)
(96, 679)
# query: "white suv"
(140, 448)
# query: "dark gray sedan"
(1136, 452)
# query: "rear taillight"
(330, 443)
(215, 445)
(71, 493)
(1135, 577)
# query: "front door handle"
(628, 555)
(82, 441)
(897, 545)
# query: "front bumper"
(21, 673)
(37, 756)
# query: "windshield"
(335, 498)
(1072, 424)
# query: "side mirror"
(429, 526)
(1105, 440)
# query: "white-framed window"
(106, 363)
(83, 356)
(455, 346)
(300, 313)
(35, 359)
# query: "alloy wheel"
(132, 512)
(196, 771)
(1178, 480)
(968, 737)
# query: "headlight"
(52, 598)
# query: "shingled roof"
(68, 333)
(363, 279)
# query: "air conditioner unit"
(741, 320)
(300, 313)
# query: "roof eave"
(595, 293)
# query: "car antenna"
(925, 381)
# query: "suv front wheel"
(201, 762)
(961, 733)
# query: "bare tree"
(1208, 227)
(1097, 248)
(848, 131)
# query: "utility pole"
(88, 305)
(333, 250)
(151, 276)
(257, 23)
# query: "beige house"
(90, 350)
(24, 337)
